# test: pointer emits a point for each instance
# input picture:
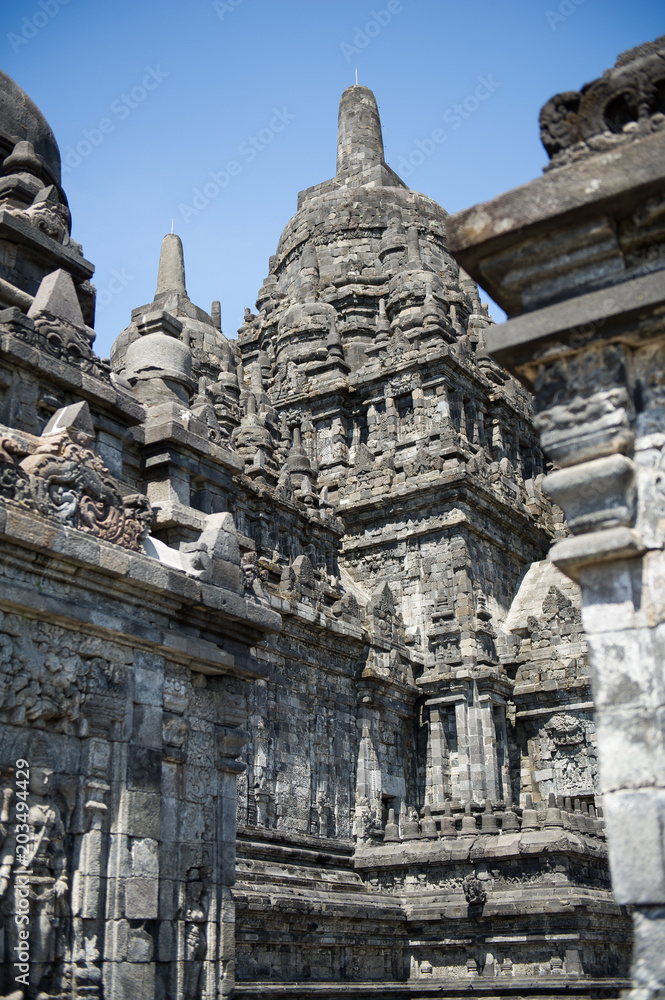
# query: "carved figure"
(252, 574)
(48, 884)
(323, 813)
(195, 916)
(474, 893)
(362, 818)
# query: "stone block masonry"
(306, 709)
(586, 335)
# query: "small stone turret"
(298, 464)
(359, 138)
(159, 364)
(171, 274)
(199, 334)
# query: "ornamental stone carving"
(63, 478)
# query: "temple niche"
(305, 706)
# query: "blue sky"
(237, 99)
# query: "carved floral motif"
(63, 478)
(62, 341)
(565, 730)
(625, 104)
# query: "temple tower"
(373, 332)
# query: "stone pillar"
(576, 258)
(88, 883)
(230, 744)
(171, 274)
(368, 772)
(476, 776)
(437, 774)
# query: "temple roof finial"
(359, 139)
(171, 275)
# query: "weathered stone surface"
(590, 345)
(56, 298)
(301, 699)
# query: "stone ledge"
(199, 655)
(297, 846)
(452, 850)
(178, 432)
(572, 555)
(422, 988)
(611, 310)
(575, 192)
(326, 905)
(22, 232)
(529, 901)
(85, 550)
(556, 706)
(312, 616)
(101, 395)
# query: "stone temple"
(293, 702)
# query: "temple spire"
(171, 275)
(359, 139)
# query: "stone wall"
(121, 740)
(586, 335)
(305, 711)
